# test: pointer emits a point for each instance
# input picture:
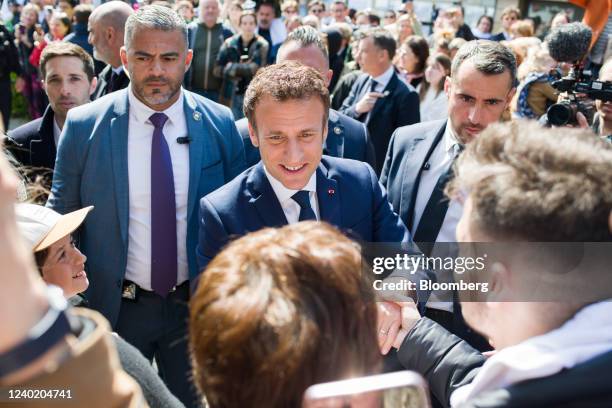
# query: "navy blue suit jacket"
(348, 193)
(409, 148)
(33, 144)
(346, 138)
(399, 108)
(92, 169)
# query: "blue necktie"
(303, 200)
(163, 212)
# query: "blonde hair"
(538, 60)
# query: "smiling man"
(144, 156)
(68, 80)
(420, 157)
(287, 106)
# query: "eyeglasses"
(316, 11)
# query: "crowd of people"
(202, 181)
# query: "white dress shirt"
(440, 160)
(140, 137)
(56, 132)
(290, 207)
(434, 105)
(383, 79)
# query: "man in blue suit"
(347, 137)
(378, 98)
(144, 156)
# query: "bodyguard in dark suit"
(293, 182)
(420, 157)
(346, 137)
(68, 81)
(106, 26)
(379, 98)
(144, 156)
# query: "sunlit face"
(98, 40)
(316, 10)
(370, 57)
(484, 25)
(434, 72)
(476, 100)
(605, 108)
(290, 12)
(67, 8)
(186, 12)
(389, 18)
(234, 14)
(405, 27)
(156, 62)
(408, 60)
(28, 17)
(64, 267)
(248, 25)
(209, 10)
(508, 20)
(57, 29)
(338, 11)
(66, 84)
(290, 138)
(265, 15)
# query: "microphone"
(183, 140)
(569, 42)
(426, 166)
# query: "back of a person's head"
(279, 310)
(527, 183)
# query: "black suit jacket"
(399, 108)
(449, 363)
(104, 78)
(346, 138)
(33, 145)
(409, 148)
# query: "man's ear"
(447, 86)
(188, 59)
(253, 135)
(124, 60)
(510, 96)
(328, 77)
(325, 130)
(92, 86)
(110, 34)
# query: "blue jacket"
(92, 169)
(348, 194)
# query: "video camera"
(569, 43)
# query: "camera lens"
(559, 114)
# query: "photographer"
(602, 124)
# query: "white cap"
(41, 226)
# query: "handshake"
(395, 320)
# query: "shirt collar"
(450, 139)
(117, 70)
(142, 112)
(283, 193)
(384, 78)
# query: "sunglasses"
(317, 10)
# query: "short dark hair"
(382, 39)
(66, 49)
(247, 13)
(287, 80)
(82, 13)
(279, 310)
(489, 58)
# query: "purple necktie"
(163, 212)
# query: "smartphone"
(402, 389)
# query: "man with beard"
(420, 157)
(144, 156)
(68, 80)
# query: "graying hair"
(156, 18)
(306, 36)
(488, 57)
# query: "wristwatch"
(53, 327)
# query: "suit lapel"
(390, 88)
(119, 126)
(43, 150)
(411, 174)
(328, 197)
(334, 144)
(264, 199)
(200, 140)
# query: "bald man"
(106, 36)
